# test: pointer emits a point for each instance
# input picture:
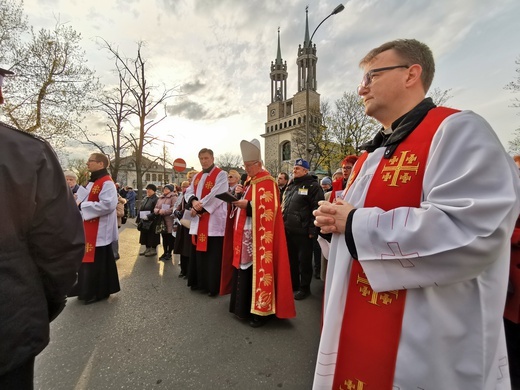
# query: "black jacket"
(41, 244)
(300, 199)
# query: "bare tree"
(132, 74)
(341, 132)
(79, 167)
(13, 24)
(514, 86)
(351, 127)
(228, 161)
(439, 96)
(117, 106)
(54, 87)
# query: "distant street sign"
(179, 164)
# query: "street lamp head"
(338, 9)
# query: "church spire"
(279, 51)
(278, 76)
(307, 40)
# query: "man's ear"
(414, 75)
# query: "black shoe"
(163, 257)
(90, 300)
(181, 275)
(212, 294)
(299, 295)
(258, 321)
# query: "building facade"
(153, 172)
(285, 129)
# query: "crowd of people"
(412, 237)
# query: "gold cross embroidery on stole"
(400, 171)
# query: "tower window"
(286, 151)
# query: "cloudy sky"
(219, 52)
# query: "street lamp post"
(336, 10)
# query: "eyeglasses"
(231, 177)
(92, 161)
(346, 167)
(367, 78)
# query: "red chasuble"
(272, 286)
(371, 328)
(203, 229)
(92, 225)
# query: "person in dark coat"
(182, 245)
(147, 221)
(130, 199)
(300, 199)
(41, 247)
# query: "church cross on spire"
(307, 41)
(279, 51)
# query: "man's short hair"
(411, 52)
(100, 157)
(285, 175)
(206, 150)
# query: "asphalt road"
(158, 334)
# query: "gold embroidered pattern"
(89, 247)
(267, 257)
(201, 237)
(384, 297)
(96, 190)
(264, 301)
(209, 185)
(267, 196)
(352, 385)
(400, 168)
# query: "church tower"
(285, 127)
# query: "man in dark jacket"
(41, 247)
(299, 201)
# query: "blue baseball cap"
(302, 163)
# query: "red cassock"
(272, 288)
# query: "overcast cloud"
(219, 53)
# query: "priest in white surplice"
(418, 265)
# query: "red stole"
(203, 229)
(272, 287)
(372, 321)
(92, 225)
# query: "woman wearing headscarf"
(164, 209)
(147, 221)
